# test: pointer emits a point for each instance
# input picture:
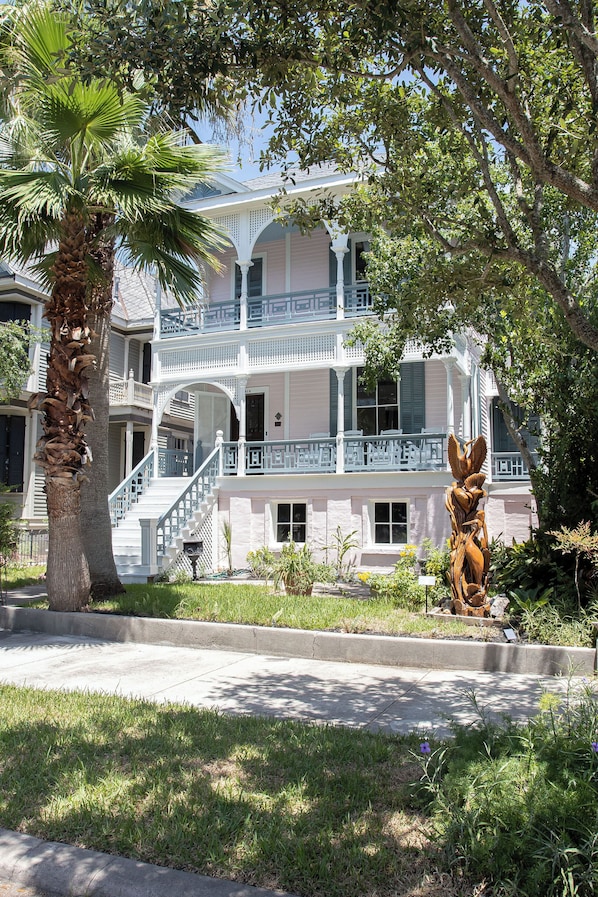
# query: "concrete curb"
(74, 872)
(438, 654)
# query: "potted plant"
(297, 569)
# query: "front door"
(255, 432)
(255, 417)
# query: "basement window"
(291, 522)
(390, 523)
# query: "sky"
(244, 151)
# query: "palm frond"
(178, 232)
(34, 194)
(40, 39)
(172, 272)
(95, 113)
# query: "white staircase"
(174, 508)
(126, 537)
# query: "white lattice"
(354, 353)
(258, 219)
(412, 350)
(182, 564)
(190, 361)
(295, 350)
(118, 392)
(230, 385)
(232, 225)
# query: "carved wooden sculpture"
(470, 557)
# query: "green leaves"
(86, 145)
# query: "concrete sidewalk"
(366, 696)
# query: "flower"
(425, 747)
(595, 747)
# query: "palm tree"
(80, 180)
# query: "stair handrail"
(131, 489)
(173, 520)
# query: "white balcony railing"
(509, 466)
(130, 392)
(368, 454)
(265, 311)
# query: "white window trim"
(390, 547)
(355, 385)
(273, 508)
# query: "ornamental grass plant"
(516, 806)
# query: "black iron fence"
(32, 547)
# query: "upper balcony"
(268, 311)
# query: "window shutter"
(12, 450)
(413, 397)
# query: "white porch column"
(340, 419)
(286, 408)
(466, 398)
(131, 388)
(340, 249)
(244, 266)
(154, 435)
(158, 315)
(128, 448)
(242, 400)
(218, 444)
(449, 365)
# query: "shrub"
(437, 562)
(261, 562)
(555, 625)
(342, 545)
(400, 587)
(528, 566)
(295, 568)
(298, 571)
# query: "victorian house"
(248, 409)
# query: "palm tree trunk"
(62, 450)
(67, 576)
(95, 516)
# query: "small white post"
(149, 544)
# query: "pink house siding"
(220, 286)
(274, 386)
(253, 517)
(273, 266)
(309, 400)
(310, 265)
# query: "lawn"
(263, 606)
(315, 810)
(319, 811)
(15, 576)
